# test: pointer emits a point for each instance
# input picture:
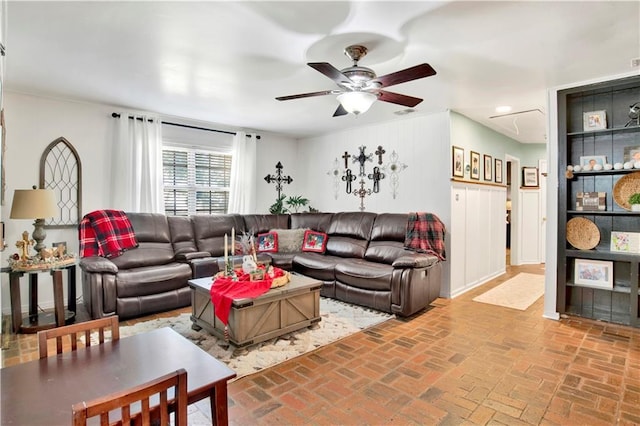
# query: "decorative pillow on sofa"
(267, 242)
(314, 241)
(289, 240)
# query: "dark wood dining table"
(42, 392)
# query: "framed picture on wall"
(530, 177)
(497, 172)
(457, 155)
(475, 165)
(488, 167)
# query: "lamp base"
(39, 234)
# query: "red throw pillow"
(314, 241)
(268, 242)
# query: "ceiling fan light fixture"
(357, 102)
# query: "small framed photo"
(475, 165)
(625, 242)
(592, 160)
(594, 273)
(60, 248)
(530, 177)
(591, 201)
(631, 153)
(497, 173)
(488, 166)
(594, 120)
(457, 156)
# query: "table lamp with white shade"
(38, 204)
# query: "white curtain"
(136, 164)
(242, 193)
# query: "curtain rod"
(116, 115)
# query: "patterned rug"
(338, 320)
(518, 292)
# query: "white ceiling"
(225, 62)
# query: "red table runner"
(224, 290)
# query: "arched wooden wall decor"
(61, 170)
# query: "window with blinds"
(195, 181)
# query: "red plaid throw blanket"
(224, 290)
(425, 233)
(106, 233)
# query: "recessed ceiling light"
(503, 108)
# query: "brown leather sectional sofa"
(365, 262)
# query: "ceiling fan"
(359, 87)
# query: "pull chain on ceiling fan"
(359, 87)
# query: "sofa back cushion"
(348, 234)
(315, 221)
(387, 238)
(182, 235)
(210, 230)
(260, 223)
(154, 239)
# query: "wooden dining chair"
(71, 332)
(123, 400)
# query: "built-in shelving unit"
(620, 303)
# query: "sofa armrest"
(188, 257)
(97, 264)
(415, 260)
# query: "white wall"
(421, 142)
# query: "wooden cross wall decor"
(279, 179)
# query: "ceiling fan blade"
(340, 111)
(332, 72)
(305, 95)
(397, 98)
(413, 73)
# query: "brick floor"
(460, 362)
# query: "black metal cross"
(346, 159)
(379, 153)
(362, 158)
(348, 178)
(376, 177)
(278, 178)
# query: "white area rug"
(338, 321)
(518, 292)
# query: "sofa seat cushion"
(363, 274)
(282, 260)
(315, 265)
(152, 279)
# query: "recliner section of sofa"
(365, 262)
(142, 280)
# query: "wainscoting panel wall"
(478, 235)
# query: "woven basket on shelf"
(624, 188)
(582, 233)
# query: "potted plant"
(295, 202)
(290, 204)
(634, 200)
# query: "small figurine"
(248, 264)
(24, 245)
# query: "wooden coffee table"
(279, 311)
